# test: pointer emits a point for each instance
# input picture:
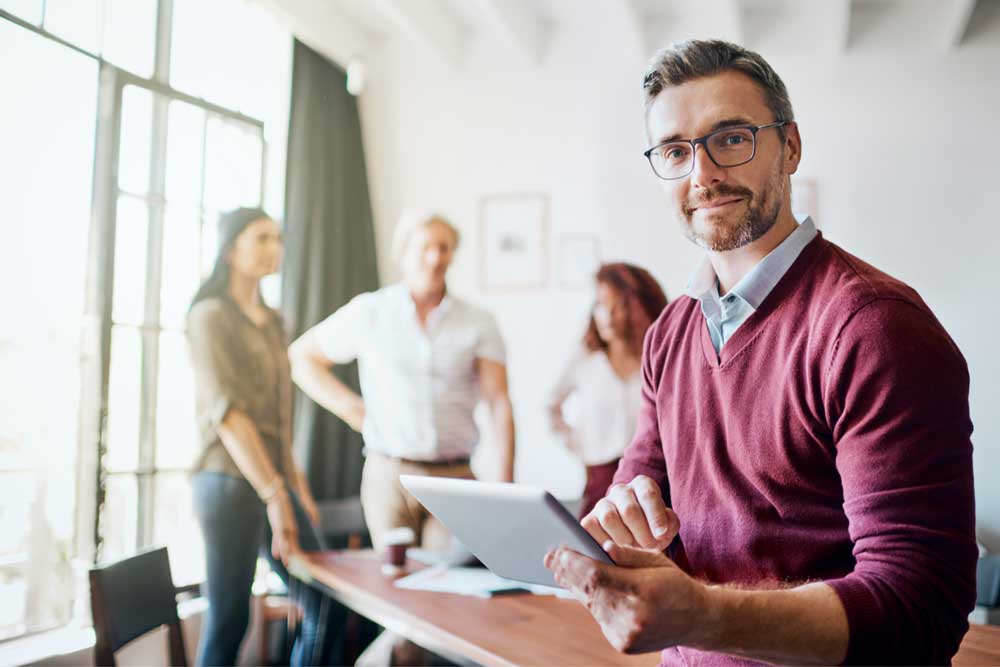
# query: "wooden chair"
(131, 597)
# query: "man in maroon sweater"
(799, 488)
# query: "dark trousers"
(235, 527)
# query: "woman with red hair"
(603, 377)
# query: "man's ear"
(793, 148)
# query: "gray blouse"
(239, 365)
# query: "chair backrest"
(343, 520)
(131, 597)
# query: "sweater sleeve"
(897, 400)
(644, 456)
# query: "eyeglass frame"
(754, 129)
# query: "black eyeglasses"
(726, 147)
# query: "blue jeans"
(235, 527)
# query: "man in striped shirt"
(425, 359)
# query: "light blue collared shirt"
(725, 314)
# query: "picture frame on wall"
(577, 260)
(513, 241)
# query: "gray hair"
(411, 221)
(693, 59)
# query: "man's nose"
(705, 173)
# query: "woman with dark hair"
(249, 495)
(603, 377)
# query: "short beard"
(761, 215)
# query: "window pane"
(136, 137)
(13, 603)
(124, 399)
(209, 242)
(226, 66)
(46, 169)
(119, 518)
(185, 143)
(181, 266)
(130, 261)
(36, 547)
(177, 441)
(130, 35)
(175, 525)
(233, 156)
(17, 491)
(79, 22)
(29, 10)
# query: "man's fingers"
(624, 498)
(592, 525)
(662, 521)
(611, 521)
(635, 558)
(576, 573)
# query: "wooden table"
(507, 630)
(980, 647)
(502, 631)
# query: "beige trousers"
(388, 505)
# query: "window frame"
(98, 323)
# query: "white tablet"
(509, 527)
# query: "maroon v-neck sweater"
(830, 440)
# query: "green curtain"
(330, 250)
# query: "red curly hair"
(644, 298)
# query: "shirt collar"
(405, 301)
(758, 283)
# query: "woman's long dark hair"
(643, 297)
(231, 224)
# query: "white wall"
(905, 147)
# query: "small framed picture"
(513, 242)
(577, 260)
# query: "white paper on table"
(474, 581)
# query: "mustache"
(720, 191)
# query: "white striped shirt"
(420, 386)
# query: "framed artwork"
(577, 260)
(513, 241)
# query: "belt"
(440, 463)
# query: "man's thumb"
(625, 556)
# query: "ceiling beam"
(956, 23)
(321, 27)
(520, 24)
(431, 23)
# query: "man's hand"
(643, 603)
(633, 515)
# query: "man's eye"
(734, 139)
(674, 153)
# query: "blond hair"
(410, 222)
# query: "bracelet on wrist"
(271, 491)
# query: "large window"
(46, 162)
(113, 172)
(168, 196)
